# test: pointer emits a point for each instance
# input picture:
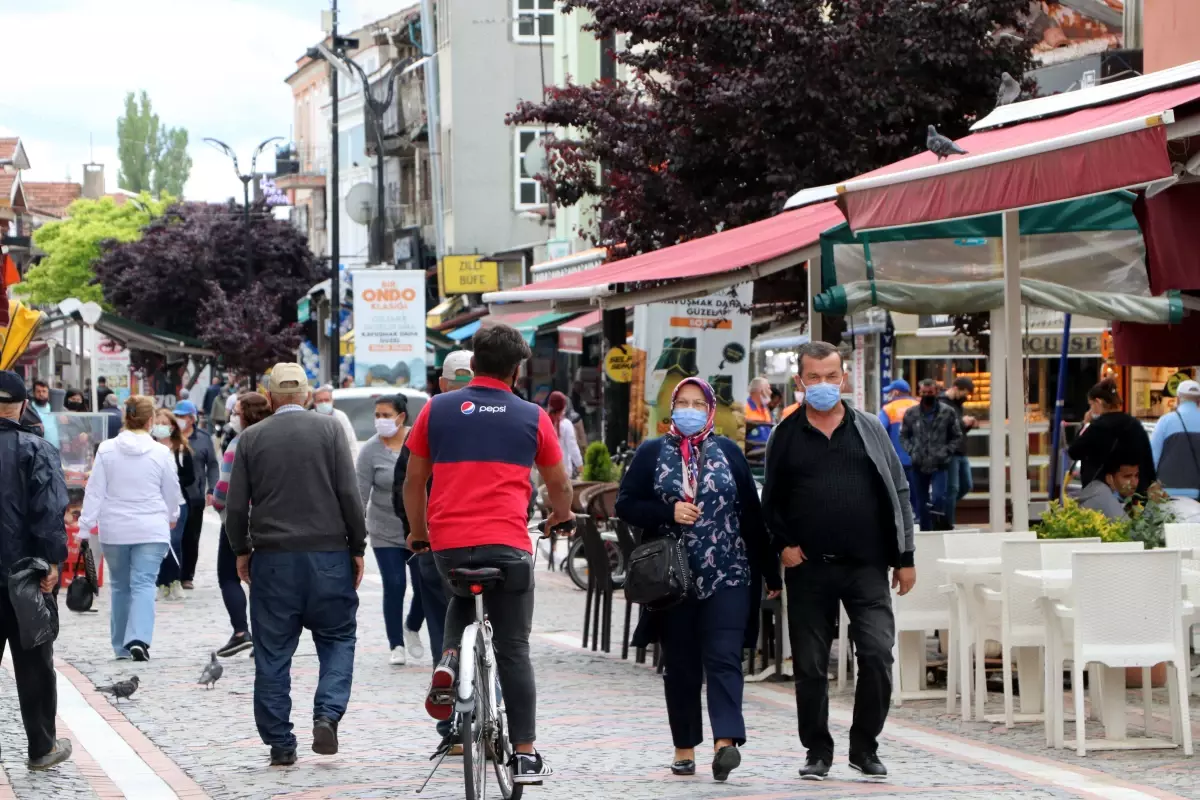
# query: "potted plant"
(597, 464)
(1069, 520)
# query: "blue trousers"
(288, 593)
(132, 570)
(930, 494)
(959, 484)
(395, 565)
(705, 638)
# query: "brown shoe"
(60, 753)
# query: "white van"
(359, 405)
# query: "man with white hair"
(323, 404)
(1176, 444)
(307, 537)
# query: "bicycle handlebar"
(566, 527)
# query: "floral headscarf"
(690, 446)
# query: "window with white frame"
(533, 20)
(529, 193)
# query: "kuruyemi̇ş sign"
(389, 328)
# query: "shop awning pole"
(1059, 401)
(1018, 443)
(997, 485)
(815, 333)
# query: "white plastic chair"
(1021, 622)
(971, 627)
(1139, 626)
(1186, 536)
(922, 609)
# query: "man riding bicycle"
(479, 445)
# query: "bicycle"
(576, 561)
(478, 704)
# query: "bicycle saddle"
(480, 575)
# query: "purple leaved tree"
(196, 272)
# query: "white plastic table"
(966, 574)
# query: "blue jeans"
(392, 570)
(958, 485)
(289, 592)
(168, 572)
(132, 570)
(434, 600)
(924, 485)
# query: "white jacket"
(133, 493)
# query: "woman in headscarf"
(696, 486)
(558, 407)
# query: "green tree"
(153, 157)
(73, 244)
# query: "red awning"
(735, 255)
(1168, 223)
(584, 324)
(1087, 151)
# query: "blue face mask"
(689, 421)
(823, 396)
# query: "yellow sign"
(618, 364)
(469, 275)
(444, 311)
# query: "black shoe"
(281, 757)
(815, 769)
(60, 753)
(529, 769)
(139, 651)
(439, 703)
(684, 767)
(325, 740)
(725, 761)
(868, 764)
(236, 644)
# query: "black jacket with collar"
(33, 499)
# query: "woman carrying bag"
(167, 431)
(696, 486)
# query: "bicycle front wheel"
(470, 729)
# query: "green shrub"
(597, 464)
(1071, 521)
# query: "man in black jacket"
(930, 434)
(34, 497)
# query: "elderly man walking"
(302, 554)
(836, 505)
(34, 498)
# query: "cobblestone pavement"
(602, 725)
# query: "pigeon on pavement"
(940, 145)
(212, 672)
(1009, 90)
(121, 690)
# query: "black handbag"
(658, 575)
(82, 589)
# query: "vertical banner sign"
(887, 347)
(112, 364)
(707, 337)
(389, 328)
(860, 373)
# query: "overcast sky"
(215, 67)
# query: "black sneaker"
(439, 703)
(815, 769)
(139, 651)
(325, 741)
(726, 760)
(868, 764)
(529, 769)
(60, 753)
(685, 767)
(283, 757)
(236, 644)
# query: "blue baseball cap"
(185, 408)
(898, 385)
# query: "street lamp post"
(245, 179)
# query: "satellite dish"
(360, 203)
(535, 157)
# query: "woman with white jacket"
(133, 496)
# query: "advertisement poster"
(112, 364)
(707, 337)
(389, 328)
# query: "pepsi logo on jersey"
(467, 407)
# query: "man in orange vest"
(789, 410)
(892, 416)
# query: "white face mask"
(324, 408)
(387, 428)
(161, 431)
(235, 424)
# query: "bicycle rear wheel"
(470, 729)
(500, 748)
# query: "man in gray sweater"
(301, 550)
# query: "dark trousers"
(37, 691)
(930, 496)
(232, 593)
(510, 609)
(191, 539)
(435, 599)
(959, 484)
(814, 589)
(395, 566)
(169, 571)
(290, 592)
(705, 638)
